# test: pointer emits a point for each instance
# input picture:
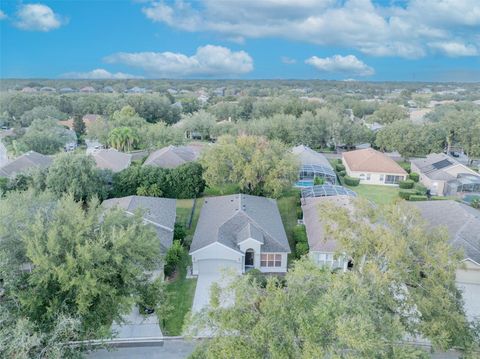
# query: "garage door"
(215, 266)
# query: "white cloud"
(454, 49)
(404, 31)
(98, 74)
(341, 64)
(287, 60)
(37, 17)
(2, 15)
(208, 61)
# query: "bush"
(406, 193)
(318, 181)
(406, 166)
(173, 257)
(476, 203)
(339, 167)
(299, 212)
(420, 189)
(407, 184)
(258, 276)
(301, 249)
(342, 173)
(417, 197)
(414, 176)
(351, 181)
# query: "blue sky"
(422, 40)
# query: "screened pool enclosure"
(308, 173)
(327, 190)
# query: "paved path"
(138, 326)
(202, 291)
(3, 154)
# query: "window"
(362, 175)
(381, 178)
(270, 260)
(390, 179)
(328, 260)
(368, 176)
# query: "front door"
(249, 258)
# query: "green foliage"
(417, 197)
(390, 113)
(258, 166)
(174, 256)
(79, 126)
(414, 176)
(81, 267)
(318, 181)
(420, 189)
(351, 181)
(406, 184)
(406, 193)
(77, 174)
(179, 232)
(475, 203)
(339, 167)
(342, 173)
(185, 181)
(256, 276)
(123, 138)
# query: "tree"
(123, 138)
(41, 113)
(86, 263)
(402, 136)
(402, 285)
(200, 122)
(76, 174)
(78, 126)
(256, 165)
(46, 137)
(390, 113)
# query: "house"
(29, 89)
(66, 90)
(445, 176)
(111, 159)
(312, 165)
(463, 225)
(172, 156)
(323, 250)
(373, 167)
(47, 89)
(87, 89)
(158, 212)
(241, 232)
(25, 163)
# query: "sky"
(389, 40)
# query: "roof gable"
(370, 160)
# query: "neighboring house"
(88, 120)
(463, 225)
(29, 89)
(172, 156)
(48, 89)
(444, 176)
(66, 90)
(25, 163)
(313, 165)
(111, 159)
(323, 250)
(373, 167)
(159, 212)
(240, 232)
(87, 89)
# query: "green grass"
(377, 194)
(180, 294)
(288, 211)
(222, 190)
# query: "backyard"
(376, 194)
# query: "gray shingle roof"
(160, 212)
(462, 222)
(24, 163)
(315, 227)
(230, 219)
(307, 156)
(111, 159)
(172, 156)
(434, 166)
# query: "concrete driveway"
(202, 292)
(138, 326)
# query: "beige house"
(373, 167)
(444, 176)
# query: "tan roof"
(370, 160)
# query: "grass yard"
(184, 208)
(180, 293)
(287, 206)
(376, 194)
(222, 191)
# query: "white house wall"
(256, 246)
(281, 269)
(375, 177)
(216, 251)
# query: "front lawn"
(287, 205)
(180, 295)
(377, 194)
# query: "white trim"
(211, 244)
(470, 260)
(250, 238)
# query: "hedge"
(417, 197)
(351, 181)
(414, 176)
(406, 193)
(339, 167)
(407, 184)
(342, 173)
(420, 189)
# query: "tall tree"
(256, 165)
(79, 126)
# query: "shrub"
(351, 181)
(301, 249)
(406, 166)
(414, 176)
(342, 173)
(258, 276)
(407, 184)
(173, 257)
(339, 167)
(299, 212)
(417, 197)
(476, 203)
(318, 181)
(420, 189)
(406, 193)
